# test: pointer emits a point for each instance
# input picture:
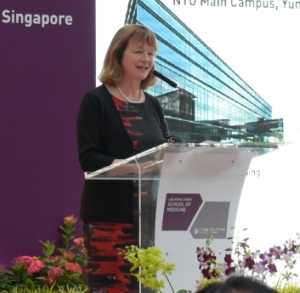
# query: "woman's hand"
(133, 168)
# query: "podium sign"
(199, 189)
(184, 189)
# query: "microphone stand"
(170, 139)
(171, 83)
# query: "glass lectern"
(184, 190)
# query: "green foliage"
(150, 262)
(259, 144)
(51, 273)
(48, 248)
(288, 288)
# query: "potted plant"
(60, 269)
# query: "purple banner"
(47, 64)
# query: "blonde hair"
(112, 68)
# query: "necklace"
(127, 99)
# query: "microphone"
(171, 83)
(165, 79)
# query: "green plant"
(147, 263)
(51, 272)
(288, 288)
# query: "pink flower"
(55, 272)
(50, 281)
(53, 258)
(68, 255)
(70, 220)
(73, 267)
(78, 241)
(27, 260)
(35, 267)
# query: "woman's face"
(138, 60)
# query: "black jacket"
(102, 138)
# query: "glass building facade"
(211, 100)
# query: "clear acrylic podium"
(183, 190)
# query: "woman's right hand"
(133, 168)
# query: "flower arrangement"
(61, 268)
(60, 271)
(240, 259)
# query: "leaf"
(48, 247)
(210, 250)
(65, 240)
(29, 284)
